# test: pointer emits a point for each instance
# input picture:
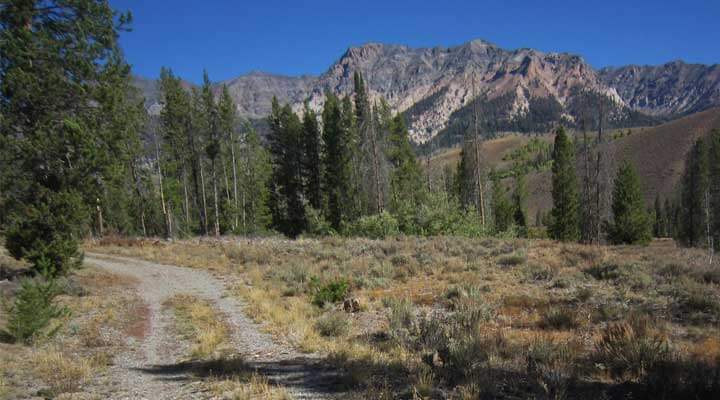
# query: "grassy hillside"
(658, 153)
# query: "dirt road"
(152, 370)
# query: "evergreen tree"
(370, 169)
(211, 135)
(519, 198)
(660, 226)
(564, 214)
(670, 219)
(311, 158)
(253, 190)
(60, 69)
(286, 189)
(406, 180)
(695, 189)
(336, 161)
(714, 186)
(631, 223)
(227, 121)
(501, 207)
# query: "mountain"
(522, 90)
(672, 88)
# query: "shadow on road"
(304, 374)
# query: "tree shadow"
(306, 374)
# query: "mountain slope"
(672, 88)
(521, 90)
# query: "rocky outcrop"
(433, 84)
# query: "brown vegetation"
(471, 318)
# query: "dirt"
(156, 367)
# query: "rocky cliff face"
(672, 88)
(434, 85)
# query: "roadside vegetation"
(478, 317)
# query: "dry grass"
(200, 322)
(256, 387)
(61, 373)
(102, 310)
(498, 297)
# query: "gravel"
(150, 370)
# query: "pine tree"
(253, 190)
(565, 223)
(227, 115)
(336, 159)
(670, 219)
(370, 161)
(311, 158)
(695, 189)
(286, 152)
(519, 198)
(501, 207)
(406, 183)
(60, 68)
(631, 223)
(211, 134)
(714, 186)
(660, 226)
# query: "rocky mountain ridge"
(435, 85)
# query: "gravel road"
(151, 370)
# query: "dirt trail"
(152, 371)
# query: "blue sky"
(230, 38)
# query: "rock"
(351, 305)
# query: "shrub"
(559, 318)
(401, 320)
(695, 297)
(629, 349)
(552, 366)
(377, 226)
(317, 225)
(604, 272)
(513, 259)
(540, 273)
(329, 293)
(333, 324)
(33, 309)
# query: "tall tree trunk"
(166, 217)
(138, 193)
(235, 180)
(186, 198)
(598, 178)
(376, 168)
(215, 199)
(478, 173)
(203, 215)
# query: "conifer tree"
(695, 190)
(660, 226)
(286, 188)
(631, 223)
(336, 158)
(501, 207)
(211, 134)
(311, 158)
(406, 180)
(714, 186)
(60, 69)
(565, 223)
(519, 198)
(227, 115)
(253, 189)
